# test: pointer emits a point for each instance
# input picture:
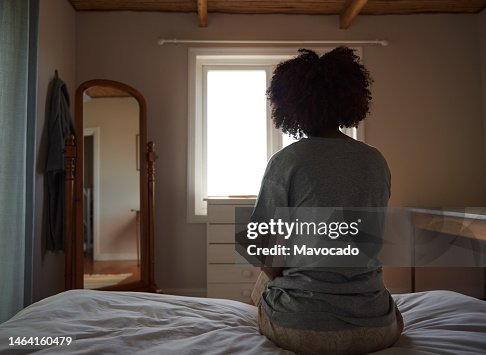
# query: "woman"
(324, 310)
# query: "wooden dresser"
(228, 274)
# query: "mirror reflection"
(111, 127)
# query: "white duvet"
(104, 322)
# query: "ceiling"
(346, 9)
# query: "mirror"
(113, 188)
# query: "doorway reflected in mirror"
(110, 192)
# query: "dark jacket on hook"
(59, 125)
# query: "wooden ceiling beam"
(202, 12)
(311, 7)
(350, 11)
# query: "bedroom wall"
(482, 60)
(56, 51)
(426, 117)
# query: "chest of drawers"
(228, 274)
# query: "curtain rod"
(163, 41)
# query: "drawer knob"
(247, 273)
(246, 293)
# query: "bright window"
(231, 136)
(236, 119)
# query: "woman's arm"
(267, 275)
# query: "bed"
(107, 322)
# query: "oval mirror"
(113, 198)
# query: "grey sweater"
(326, 172)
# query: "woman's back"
(326, 172)
(331, 172)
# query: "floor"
(112, 267)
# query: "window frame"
(201, 59)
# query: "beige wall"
(117, 120)
(426, 116)
(482, 60)
(56, 51)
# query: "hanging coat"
(59, 126)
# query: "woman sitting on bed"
(330, 310)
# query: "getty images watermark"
(296, 228)
(360, 237)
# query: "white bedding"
(104, 322)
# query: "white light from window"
(352, 132)
(287, 140)
(236, 131)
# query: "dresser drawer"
(223, 233)
(232, 291)
(226, 213)
(239, 273)
(224, 254)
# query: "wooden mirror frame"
(75, 234)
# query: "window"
(235, 103)
(231, 136)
